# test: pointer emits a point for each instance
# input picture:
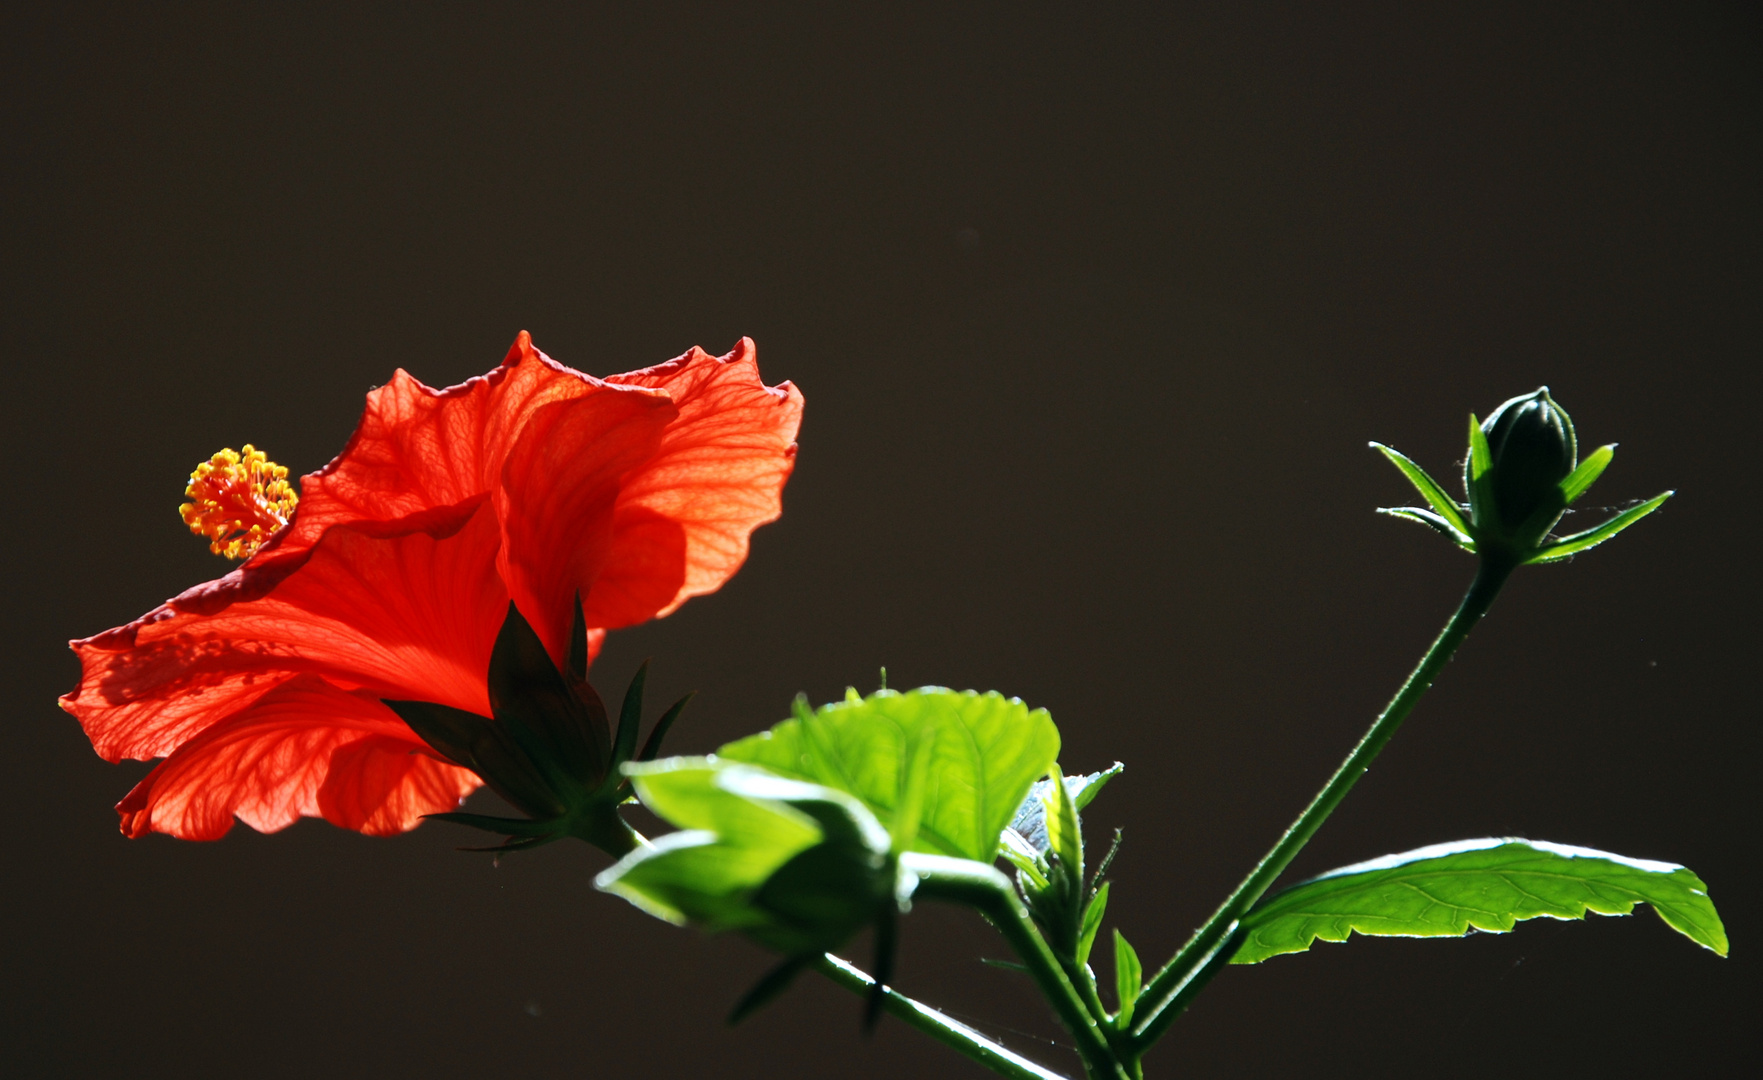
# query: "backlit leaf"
(974, 754)
(1092, 922)
(1446, 890)
(731, 845)
(1129, 978)
(1029, 823)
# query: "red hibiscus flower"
(534, 484)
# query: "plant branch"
(1171, 988)
(980, 886)
(951, 1033)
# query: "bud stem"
(1213, 944)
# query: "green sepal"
(1567, 546)
(1432, 521)
(652, 745)
(769, 986)
(1587, 473)
(535, 706)
(520, 828)
(1446, 508)
(547, 751)
(514, 843)
(1447, 890)
(1535, 528)
(1481, 457)
(1092, 923)
(1129, 979)
(487, 748)
(1475, 479)
(630, 717)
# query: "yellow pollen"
(238, 499)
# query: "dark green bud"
(1523, 472)
(1530, 449)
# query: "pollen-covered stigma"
(238, 499)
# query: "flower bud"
(1530, 450)
(1522, 473)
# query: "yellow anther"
(238, 499)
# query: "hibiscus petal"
(560, 488)
(383, 785)
(416, 452)
(417, 448)
(303, 749)
(718, 475)
(411, 616)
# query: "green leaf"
(1064, 835)
(1568, 546)
(1086, 938)
(1018, 852)
(731, 845)
(798, 867)
(909, 808)
(1029, 823)
(1448, 889)
(1587, 474)
(975, 756)
(1084, 789)
(1129, 978)
(1443, 505)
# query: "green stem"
(1086, 988)
(982, 887)
(958, 1036)
(1169, 990)
(1210, 964)
(605, 829)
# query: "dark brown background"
(1094, 311)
